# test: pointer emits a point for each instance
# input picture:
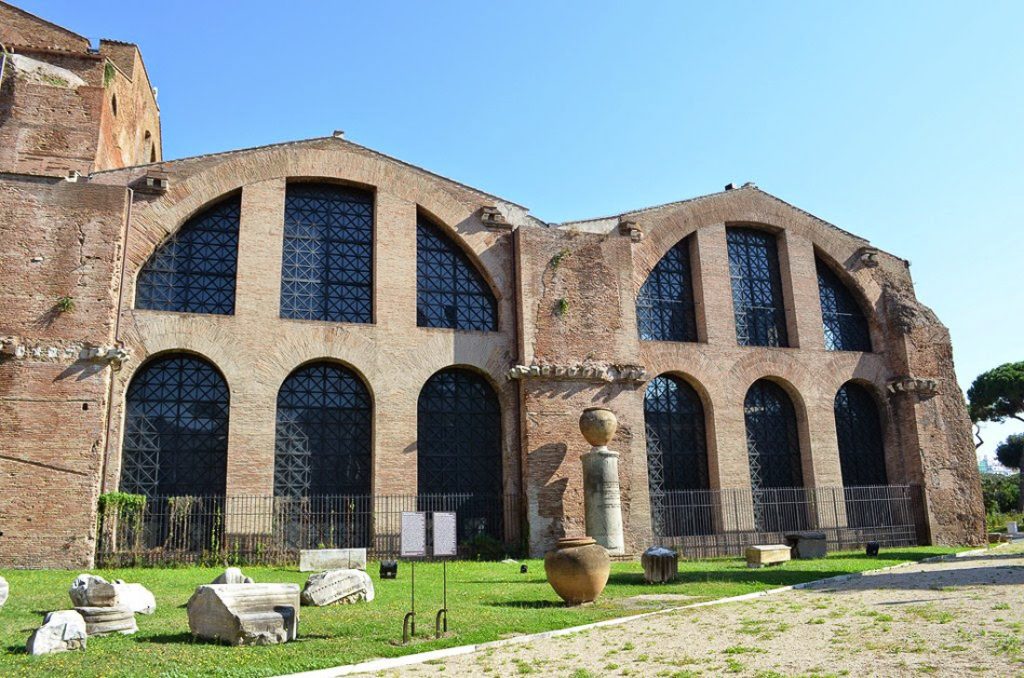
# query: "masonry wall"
(256, 350)
(53, 401)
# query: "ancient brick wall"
(64, 109)
(61, 240)
(256, 349)
(18, 27)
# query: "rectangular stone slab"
(247, 614)
(770, 554)
(318, 560)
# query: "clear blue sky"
(901, 122)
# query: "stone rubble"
(89, 590)
(62, 630)
(337, 587)
(232, 575)
(102, 621)
(254, 614)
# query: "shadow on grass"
(177, 638)
(531, 604)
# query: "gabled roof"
(171, 164)
(611, 220)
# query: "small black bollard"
(872, 549)
(388, 569)
(522, 569)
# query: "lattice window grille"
(176, 429)
(323, 439)
(194, 270)
(773, 444)
(756, 288)
(843, 321)
(859, 430)
(665, 304)
(327, 259)
(450, 292)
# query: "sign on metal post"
(414, 534)
(444, 535)
(413, 545)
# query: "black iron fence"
(272, 530)
(709, 523)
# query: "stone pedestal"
(661, 565)
(602, 504)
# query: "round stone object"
(598, 425)
(577, 569)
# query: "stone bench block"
(254, 614)
(337, 587)
(102, 621)
(61, 631)
(771, 554)
(807, 545)
(661, 565)
(319, 560)
(4, 591)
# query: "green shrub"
(1000, 492)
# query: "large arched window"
(459, 448)
(773, 451)
(175, 429)
(323, 441)
(756, 288)
(327, 261)
(664, 307)
(194, 270)
(677, 460)
(859, 430)
(450, 292)
(846, 328)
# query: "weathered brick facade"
(566, 296)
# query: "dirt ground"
(952, 618)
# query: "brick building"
(316, 318)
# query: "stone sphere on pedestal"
(598, 425)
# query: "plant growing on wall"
(65, 304)
(562, 307)
(108, 73)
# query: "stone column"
(602, 504)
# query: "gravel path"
(958, 617)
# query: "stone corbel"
(922, 388)
(492, 218)
(580, 372)
(868, 256)
(106, 355)
(631, 229)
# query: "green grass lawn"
(487, 601)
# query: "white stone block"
(4, 591)
(232, 575)
(319, 560)
(254, 614)
(61, 631)
(102, 621)
(89, 590)
(337, 586)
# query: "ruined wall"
(57, 102)
(18, 27)
(53, 399)
(579, 333)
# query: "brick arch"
(749, 207)
(219, 176)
